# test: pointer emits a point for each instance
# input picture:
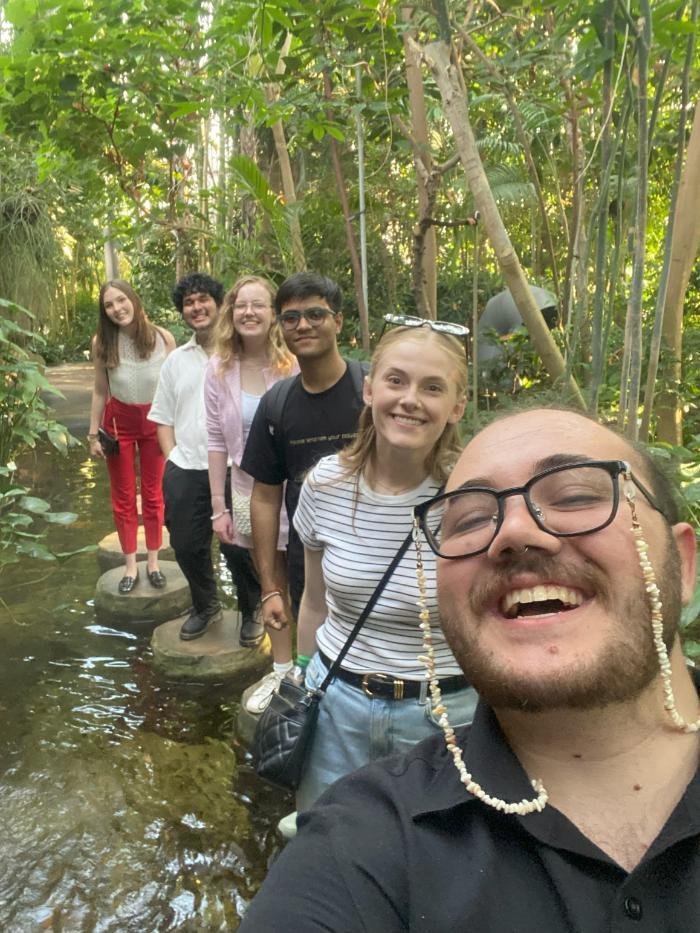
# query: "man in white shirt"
(178, 410)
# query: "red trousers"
(134, 429)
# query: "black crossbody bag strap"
(366, 611)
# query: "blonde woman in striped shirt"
(354, 512)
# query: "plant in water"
(24, 421)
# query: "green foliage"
(68, 337)
(29, 245)
(684, 464)
(24, 421)
(152, 123)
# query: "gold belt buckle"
(385, 679)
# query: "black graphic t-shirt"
(313, 425)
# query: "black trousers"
(188, 520)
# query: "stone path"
(75, 381)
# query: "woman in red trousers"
(128, 352)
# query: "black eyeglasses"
(565, 501)
(440, 327)
(314, 316)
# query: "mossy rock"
(144, 606)
(216, 654)
(109, 552)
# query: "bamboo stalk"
(437, 55)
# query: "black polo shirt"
(400, 845)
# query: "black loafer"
(252, 633)
(126, 584)
(197, 623)
(157, 579)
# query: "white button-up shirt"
(179, 402)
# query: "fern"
(496, 148)
(252, 181)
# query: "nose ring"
(522, 550)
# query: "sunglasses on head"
(440, 327)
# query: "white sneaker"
(287, 826)
(260, 698)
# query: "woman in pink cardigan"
(249, 356)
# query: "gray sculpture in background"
(502, 316)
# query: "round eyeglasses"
(257, 306)
(564, 501)
(314, 316)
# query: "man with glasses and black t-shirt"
(297, 422)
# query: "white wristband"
(219, 514)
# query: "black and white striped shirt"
(359, 531)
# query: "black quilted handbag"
(285, 730)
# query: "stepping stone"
(109, 552)
(144, 606)
(215, 654)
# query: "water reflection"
(126, 802)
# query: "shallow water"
(126, 802)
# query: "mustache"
(582, 576)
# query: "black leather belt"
(386, 687)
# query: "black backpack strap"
(277, 395)
(358, 370)
(275, 400)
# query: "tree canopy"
(231, 136)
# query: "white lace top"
(134, 380)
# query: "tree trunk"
(248, 146)
(522, 137)
(576, 210)
(221, 209)
(633, 342)
(601, 250)
(203, 183)
(288, 187)
(437, 54)
(684, 248)
(111, 258)
(655, 347)
(347, 217)
(426, 273)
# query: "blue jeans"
(354, 729)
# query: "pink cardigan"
(222, 400)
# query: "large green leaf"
(60, 518)
(37, 551)
(35, 505)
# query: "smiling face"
(252, 311)
(309, 342)
(413, 394)
(118, 307)
(199, 311)
(564, 623)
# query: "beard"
(621, 670)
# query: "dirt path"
(75, 382)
